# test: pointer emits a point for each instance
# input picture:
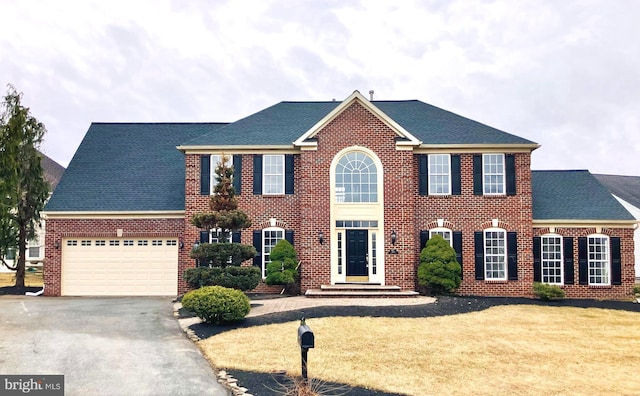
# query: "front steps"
(359, 290)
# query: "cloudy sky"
(565, 74)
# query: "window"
(439, 174)
(495, 254)
(270, 237)
(100, 243)
(340, 253)
(356, 179)
(273, 174)
(445, 233)
(216, 159)
(142, 242)
(33, 251)
(598, 259)
(85, 243)
(156, 242)
(72, 243)
(172, 242)
(114, 243)
(493, 174)
(128, 242)
(551, 259)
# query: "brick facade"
(309, 210)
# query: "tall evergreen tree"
(23, 188)
(224, 218)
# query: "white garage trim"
(120, 266)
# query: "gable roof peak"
(356, 97)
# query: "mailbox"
(305, 336)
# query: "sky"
(564, 74)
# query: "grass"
(506, 350)
(31, 279)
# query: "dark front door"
(357, 253)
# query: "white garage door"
(119, 267)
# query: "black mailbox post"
(305, 340)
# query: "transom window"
(598, 258)
(273, 174)
(495, 254)
(551, 259)
(439, 174)
(270, 237)
(493, 174)
(356, 178)
(445, 233)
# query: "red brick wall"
(623, 291)
(63, 228)
(469, 213)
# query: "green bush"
(282, 268)
(223, 254)
(636, 290)
(439, 270)
(241, 278)
(546, 292)
(217, 304)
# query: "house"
(626, 189)
(358, 186)
(35, 247)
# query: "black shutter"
(567, 251)
(288, 235)
(423, 175)
(510, 167)
(512, 255)
(424, 237)
(479, 250)
(237, 173)
(477, 174)
(456, 175)
(616, 263)
(236, 237)
(204, 236)
(457, 246)
(205, 174)
(583, 264)
(288, 174)
(537, 259)
(257, 174)
(257, 243)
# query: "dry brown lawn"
(31, 279)
(506, 350)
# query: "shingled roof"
(127, 167)
(285, 122)
(52, 171)
(623, 187)
(573, 195)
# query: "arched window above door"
(356, 178)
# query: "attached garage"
(119, 266)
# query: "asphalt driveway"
(103, 346)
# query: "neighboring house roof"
(285, 122)
(127, 167)
(624, 187)
(52, 171)
(573, 195)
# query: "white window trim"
(435, 231)
(262, 253)
(552, 235)
(340, 190)
(504, 175)
(608, 260)
(429, 157)
(505, 255)
(214, 161)
(264, 174)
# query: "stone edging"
(224, 378)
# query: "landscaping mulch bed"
(263, 384)
(17, 291)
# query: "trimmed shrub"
(241, 278)
(546, 292)
(217, 304)
(282, 268)
(636, 290)
(439, 271)
(223, 254)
